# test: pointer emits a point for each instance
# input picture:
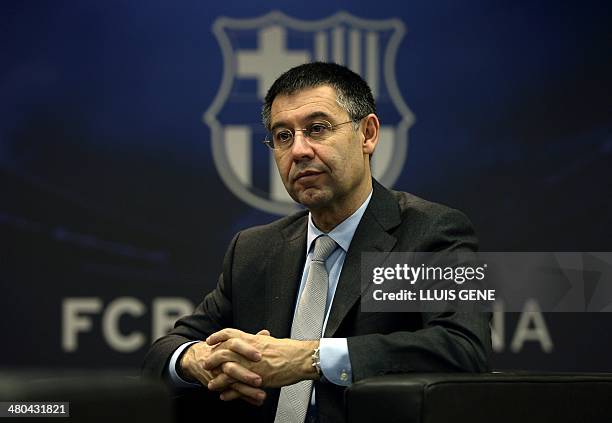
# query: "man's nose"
(301, 148)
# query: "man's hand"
(192, 368)
(283, 361)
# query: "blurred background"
(130, 152)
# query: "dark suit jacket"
(260, 279)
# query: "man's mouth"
(306, 175)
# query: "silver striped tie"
(307, 324)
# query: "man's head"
(326, 168)
(352, 93)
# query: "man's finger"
(221, 356)
(231, 395)
(249, 391)
(224, 335)
(243, 348)
(241, 373)
(221, 383)
(265, 332)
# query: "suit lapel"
(371, 235)
(283, 278)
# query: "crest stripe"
(321, 46)
(372, 61)
(338, 44)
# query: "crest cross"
(270, 57)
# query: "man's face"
(319, 174)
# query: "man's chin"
(312, 198)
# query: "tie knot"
(323, 247)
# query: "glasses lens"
(281, 138)
(319, 130)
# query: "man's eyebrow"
(317, 115)
(312, 116)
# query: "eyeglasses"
(282, 138)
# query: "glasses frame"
(306, 133)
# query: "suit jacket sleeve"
(447, 342)
(211, 315)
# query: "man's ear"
(371, 131)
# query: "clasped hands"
(240, 364)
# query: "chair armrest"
(482, 398)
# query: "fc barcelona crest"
(256, 51)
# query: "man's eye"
(317, 128)
(283, 136)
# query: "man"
(286, 310)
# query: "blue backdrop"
(114, 211)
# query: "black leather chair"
(94, 396)
(482, 398)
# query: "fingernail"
(210, 385)
(257, 356)
(257, 381)
(222, 397)
(261, 396)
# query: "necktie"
(307, 324)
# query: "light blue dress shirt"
(335, 362)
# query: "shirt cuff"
(335, 362)
(174, 377)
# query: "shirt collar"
(341, 234)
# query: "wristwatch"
(316, 361)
